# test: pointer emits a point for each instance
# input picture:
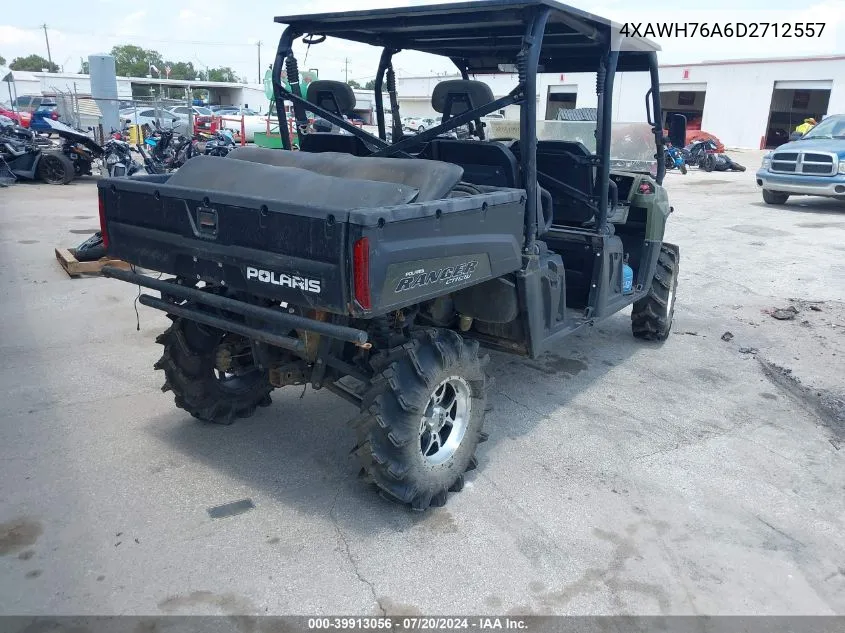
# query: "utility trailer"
(413, 255)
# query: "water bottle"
(627, 277)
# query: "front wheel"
(651, 317)
(708, 163)
(56, 169)
(211, 372)
(422, 418)
(774, 197)
(683, 169)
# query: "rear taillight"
(361, 272)
(103, 231)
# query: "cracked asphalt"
(701, 476)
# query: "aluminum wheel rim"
(445, 421)
(53, 167)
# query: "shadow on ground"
(807, 204)
(297, 450)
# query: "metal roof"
(485, 33)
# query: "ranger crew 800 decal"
(443, 276)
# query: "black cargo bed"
(286, 235)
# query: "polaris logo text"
(445, 276)
(281, 279)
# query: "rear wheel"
(774, 197)
(56, 169)
(422, 418)
(211, 372)
(683, 169)
(708, 163)
(651, 317)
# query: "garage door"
(815, 84)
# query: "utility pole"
(47, 39)
(259, 60)
(346, 69)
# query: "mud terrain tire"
(422, 418)
(190, 364)
(651, 317)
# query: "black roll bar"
(384, 62)
(605, 125)
(658, 116)
(514, 97)
(282, 51)
(527, 61)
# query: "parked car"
(814, 165)
(149, 116)
(27, 102)
(45, 110)
(419, 124)
(253, 121)
(202, 117)
(21, 118)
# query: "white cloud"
(14, 36)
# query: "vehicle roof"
(484, 33)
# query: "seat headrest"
(477, 92)
(334, 96)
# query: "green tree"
(134, 61)
(34, 63)
(353, 84)
(2, 61)
(181, 70)
(85, 68)
(371, 85)
(220, 74)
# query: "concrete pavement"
(620, 477)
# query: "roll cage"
(483, 37)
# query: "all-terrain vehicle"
(415, 255)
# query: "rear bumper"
(831, 186)
(260, 323)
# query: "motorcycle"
(152, 165)
(221, 144)
(117, 159)
(674, 158)
(185, 149)
(705, 155)
(721, 162)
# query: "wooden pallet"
(74, 268)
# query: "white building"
(53, 84)
(746, 103)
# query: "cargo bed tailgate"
(282, 251)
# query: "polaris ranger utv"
(378, 270)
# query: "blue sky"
(225, 32)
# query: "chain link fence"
(85, 113)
